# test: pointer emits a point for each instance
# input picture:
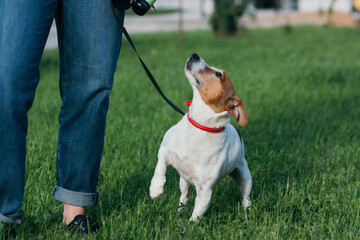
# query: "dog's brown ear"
(238, 111)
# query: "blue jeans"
(89, 46)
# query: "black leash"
(152, 79)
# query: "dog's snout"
(195, 56)
(195, 63)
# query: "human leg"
(23, 33)
(89, 45)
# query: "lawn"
(302, 94)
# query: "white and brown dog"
(204, 147)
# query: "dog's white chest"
(202, 156)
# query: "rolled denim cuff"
(12, 219)
(80, 199)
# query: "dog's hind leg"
(159, 178)
(202, 202)
(242, 177)
(184, 188)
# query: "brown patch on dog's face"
(218, 92)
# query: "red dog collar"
(199, 126)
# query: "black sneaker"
(83, 225)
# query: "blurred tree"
(226, 15)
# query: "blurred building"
(336, 12)
(306, 6)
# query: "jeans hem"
(13, 218)
(79, 199)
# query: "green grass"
(302, 95)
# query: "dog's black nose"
(195, 56)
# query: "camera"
(140, 7)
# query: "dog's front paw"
(155, 193)
(156, 187)
(246, 203)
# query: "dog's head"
(215, 88)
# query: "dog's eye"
(199, 83)
(218, 74)
(232, 107)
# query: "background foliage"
(224, 20)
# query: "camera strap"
(152, 79)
